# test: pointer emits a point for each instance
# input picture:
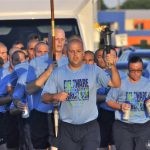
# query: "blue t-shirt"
(4, 82)
(36, 68)
(62, 61)
(104, 91)
(20, 91)
(80, 107)
(135, 94)
(146, 72)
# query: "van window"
(20, 30)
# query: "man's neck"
(58, 56)
(74, 68)
(133, 81)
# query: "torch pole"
(56, 115)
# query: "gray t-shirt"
(135, 94)
(82, 84)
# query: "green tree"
(136, 4)
(101, 5)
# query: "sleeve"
(102, 77)
(51, 84)
(113, 94)
(19, 91)
(31, 74)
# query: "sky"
(113, 3)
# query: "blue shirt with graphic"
(135, 94)
(80, 107)
(36, 68)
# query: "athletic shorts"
(74, 137)
(42, 130)
(106, 119)
(12, 131)
(2, 128)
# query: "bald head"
(60, 39)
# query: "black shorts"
(131, 136)
(106, 119)
(74, 137)
(2, 128)
(12, 131)
(41, 129)
(24, 134)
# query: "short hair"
(34, 36)
(30, 41)
(89, 52)
(39, 44)
(16, 52)
(74, 37)
(134, 59)
(74, 41)
(18, 42)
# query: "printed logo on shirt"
(137, 99)
(78, 89)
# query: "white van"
(20, 18)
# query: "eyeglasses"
(31, 48)
(134, 71)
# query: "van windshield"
(20, 30)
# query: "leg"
(39, 130)
(12, 137)
(122, 136)
(142, 140)
(25, 135)
(106, 119)
(91, 140)
(66, 141)
(3, 146)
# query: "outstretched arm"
(36, 85)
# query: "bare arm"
(122, 107)
(48, 98)
(101, 98)
(36, 85)
(115, 79)
(114, 105)
(5, 100)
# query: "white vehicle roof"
(38, 9)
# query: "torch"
(107, 39)
(106, 33)
(56, 114)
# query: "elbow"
(108, 103)
(117, 84)
(32, 89)
(45, 98)
(29, 91)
